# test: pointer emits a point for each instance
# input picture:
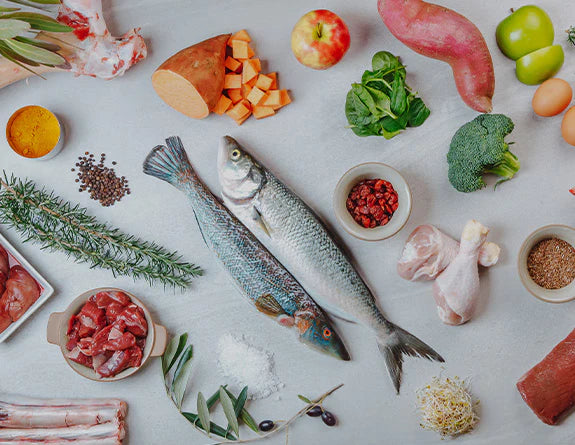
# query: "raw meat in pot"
(21, 292)
(135, 320)
(104, 299)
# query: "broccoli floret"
(479, 148)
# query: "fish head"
(241, 177)
(316, 331)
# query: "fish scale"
(257, 273)
(296, 236)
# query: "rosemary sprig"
(43, 217)
(571, 35)
(234, 408)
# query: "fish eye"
(235, 155)
(326, 333)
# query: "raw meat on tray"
(108, 334)
(20, 292)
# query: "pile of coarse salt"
(247, 365)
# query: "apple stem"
(318, 31)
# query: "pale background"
(308, 146)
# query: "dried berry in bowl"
(372, 202)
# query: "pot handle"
(161, 340)
(53, 328)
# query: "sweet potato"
(192, 80)
(440, 33)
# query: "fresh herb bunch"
(571, 35)
(43, 217)
(382, 104)
(179, 355)
(18, 35)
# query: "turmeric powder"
(33, 131)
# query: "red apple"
(319, 39)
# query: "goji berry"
(372, 202)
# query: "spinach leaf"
(363, 94)
(384, 61)
(398, 95)
(381, 100)
(355, 110)
(418, 112)
(373, 129)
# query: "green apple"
(539, 65)
(526, 30)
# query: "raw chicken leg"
(428, 251)
(456, 290)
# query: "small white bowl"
(562, 295)
(372, 170)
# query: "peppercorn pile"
(100, 181)
(372, 202)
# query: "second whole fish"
(302, 243)
(257, 273)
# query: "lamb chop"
(456, 290)
(89, 51)
(428, 251)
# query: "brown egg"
(568, 126)
(552, 97)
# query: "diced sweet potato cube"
(235, 95)
(251, 52)
(273, 98)
(223, 105)
(274, 77)
(261, 112)
(233, 81)
(232, 64)
(238, 111)
(284, 97)
(242, 119)
(249, 71)
(252, 83)
(239, 49)
(240, 35)
(255, 96)
(246, 89)
(257, 64)
(264, 82)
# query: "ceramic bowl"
(156, 340)
(53, 152)
(562, 295)
(372, 170)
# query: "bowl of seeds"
(546, 263)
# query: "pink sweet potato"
(440, 33)
(192, 80)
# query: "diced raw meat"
(99, 359)
(119, 361)
(135, 357)
(113, 310)
(4, 269)
(125, 341)
(549, 387)
(76, 356)
(141, 342)
(90, 311)
(104, 299)
(21, 292)
(135, 320)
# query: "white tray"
(46, 289)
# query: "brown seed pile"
(100, 181)
(551, 263)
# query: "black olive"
(266, 425)
(328, 418)
(316, 411)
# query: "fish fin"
(268, 305)
(400, 342)
(169, 163)
(261, 222)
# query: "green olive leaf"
(182, 376)
(304, 399)
(203, 413)
(34, 53)
(214, 428)
(173, 351)
(38, 21)
(245, 415)
(39, 43)
(229, 411)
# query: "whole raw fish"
(303, 244)
(260, 277)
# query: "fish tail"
(397, 343)
(169, 163)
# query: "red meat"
(113, 310)
(119, 361)
(549, 387)
(135, 320)
(91, 316)
(5, 320)
(77, 356)
(104, 299)
(125, 341)
(21, 292)
(4, 270)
